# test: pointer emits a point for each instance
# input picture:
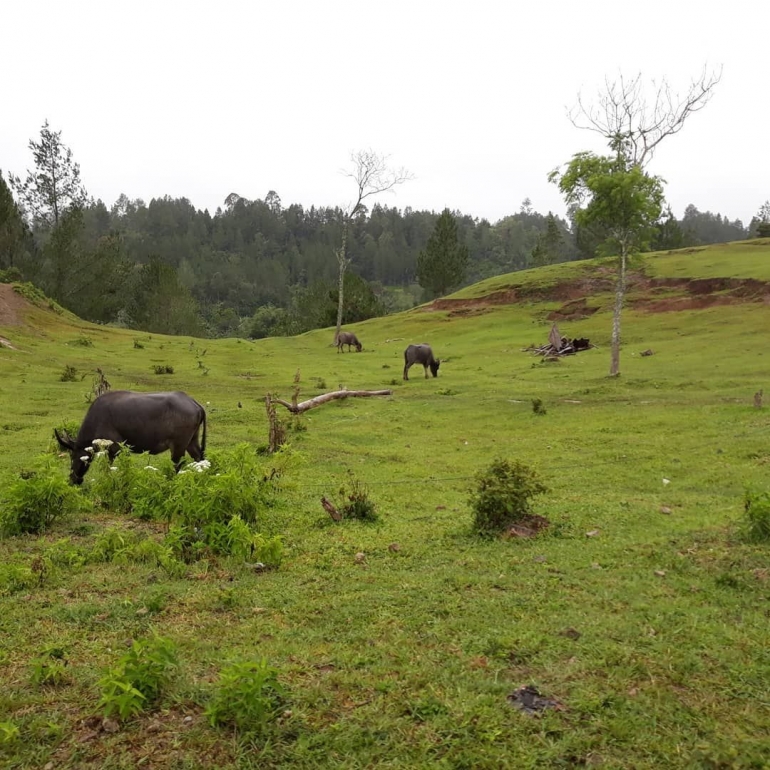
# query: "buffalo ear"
(65, 442)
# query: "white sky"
(201, 99)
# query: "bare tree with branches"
(372, 175)
(634, 125)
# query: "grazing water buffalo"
(420, 354)
(348, 338)
(146, 422)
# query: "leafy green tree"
(621, 197)
(668, 233)
(16, 244)
(268, 321)
(614, 192)
(161, 304)
(360, 300)
(54, 187)
(442, 263)
(550, 244)
(760, 224)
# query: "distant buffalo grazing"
(420, 354)
(348, 338)
(145, 422)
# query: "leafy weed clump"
(163, 369)
(538, 406)
(70, 374)
(218, 513)
(139, 678)
(356, 502)
(50, 669)
(248, 697)
(501, 496)
(34, 500)
(756, 517)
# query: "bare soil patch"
(643, 293)
(11, 306)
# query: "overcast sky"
(201, 99)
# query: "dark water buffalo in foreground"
(348, 338)
(146, 422)
(420, 354)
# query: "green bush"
(139, 677)
(756, 517)
(34, 500)
(217, 512)
(501, 496)
(248, 697)
(163, 369)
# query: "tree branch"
(324, 398)
(635, 127)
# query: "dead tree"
(372, 175)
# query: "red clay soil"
(11, 305)
(695, 294)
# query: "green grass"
(652, 631)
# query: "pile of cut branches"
(558, 346)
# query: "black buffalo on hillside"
(145, 422)
(420, 354)
(348, 338)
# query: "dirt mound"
(11, 306)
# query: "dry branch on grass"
(303, 406)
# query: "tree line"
(259, 267)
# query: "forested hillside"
(258, 267)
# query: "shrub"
(248, 697)
(217, 512)
(756, 517)
(70, 374)
(163, 369)
(537, 406)
(501, 496)
(83, 341)
(356, 502)
(139, 677)
(35, 500)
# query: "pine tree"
(54, 187)
(441, 265)
(15, 238)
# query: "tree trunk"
(342, 259)
(620, 292)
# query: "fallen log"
(303, 406)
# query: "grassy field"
(640, 609)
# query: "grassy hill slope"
(649, 627)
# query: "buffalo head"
(80, 459)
